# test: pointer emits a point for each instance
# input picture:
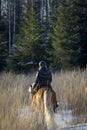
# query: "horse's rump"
(38, 98)
(44, 102)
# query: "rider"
(43, 79)
(43, 76)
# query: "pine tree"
(27, 42)
(65, 40)
(81, 7)
(3, 47)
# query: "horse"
(44, 102)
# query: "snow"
(63, 118)
(76, 127)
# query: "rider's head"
(42, 64)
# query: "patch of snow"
(25, 111)
(63, 118)
(76, 127)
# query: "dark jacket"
(43, 78)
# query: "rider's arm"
(36, 81)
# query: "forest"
(50, 30)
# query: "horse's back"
(41, 91)
(38, 97)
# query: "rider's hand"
(30, 89)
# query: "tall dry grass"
(13, 96)
(70, 87)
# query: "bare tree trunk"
(0, 11)
(14, 22)
(46, 17)
(9, 23)
(46, 10)
(42, 11)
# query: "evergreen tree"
(81, 11)
(27, 42)
(66, 48)
(3, 47)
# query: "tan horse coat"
(44, 102)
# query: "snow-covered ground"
(63, 118)
(76, 127)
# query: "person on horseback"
(42, 82)
(43, 77)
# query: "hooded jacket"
(43, 77)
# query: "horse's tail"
(48, 110)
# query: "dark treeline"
(51, 30)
